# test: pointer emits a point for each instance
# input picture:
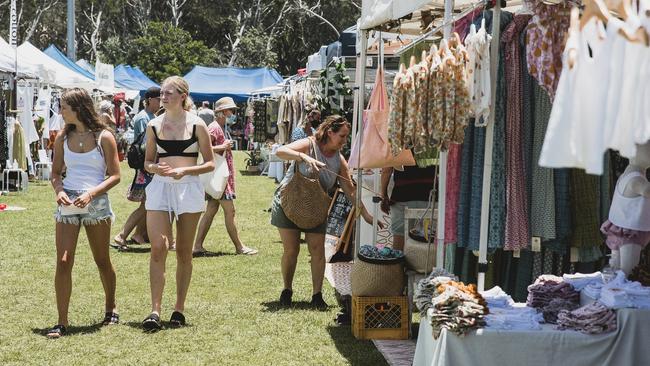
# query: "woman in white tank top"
(89, 154)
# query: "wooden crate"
(383, 317)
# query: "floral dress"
(217, 137)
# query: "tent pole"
(377, 172)
(442, 162)
(489, 141)
(361, 89)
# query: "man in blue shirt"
(136, 193)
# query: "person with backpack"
(136, 192)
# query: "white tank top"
(629, 212)
(83, 170)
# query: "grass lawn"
(232, 306)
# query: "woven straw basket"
(420, 257)
(369, 279)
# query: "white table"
(628, 345)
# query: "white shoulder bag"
(214, 182)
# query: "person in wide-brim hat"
(224, 114)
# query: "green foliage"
(254, 158)
(252, 50)
(113, 51)
(334, 84)
(166, 50)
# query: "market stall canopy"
(386, 13)
(132, 78)
(26, 69)
(86, 65)
(62, 76)
(209, 83)
(57, 55)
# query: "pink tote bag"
(375, 149)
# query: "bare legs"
(160, 234)
(231, 226)
(138, 221)
(66, 244)
(316, 243)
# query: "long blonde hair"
(181, 87)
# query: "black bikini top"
(189, 147)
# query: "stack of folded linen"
(456, 307)
(621, 293)
(497, 298)
(594, 318)
(426, 289)
(516, 317)
(581, 280)
(550, 294)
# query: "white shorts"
(185, 195)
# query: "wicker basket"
(420, 257)
(370, 279)
(380, 317)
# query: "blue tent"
(209, 83)
(132, 78)
(86, 65)
(61, 58)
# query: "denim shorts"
(99, 210)
(397, 214)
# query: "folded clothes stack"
(582, 280)
(456, 307)
(426, 289)
(621, 293)
(505, 314)
(594, 318)
(550, 294)
(497, 298)
(516, 317)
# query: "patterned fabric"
(397, 116)
(462, 25)
(586, 217)
(299, 133)
(462, 217)
(517, 224)
(461, 103)
(419, 115)
(543, 193)
(478, 165)
(259, 121)
(497, 213)
(4, 143)
(546, 35)
(136, 191)
(563, 221)
(452, 199)
(478, 70)
(217, 137)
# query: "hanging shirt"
(478, 69)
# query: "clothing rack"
(447, 22)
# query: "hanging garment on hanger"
(546, 34)
(376, 151)
(517, 225)
(20, 147)
(478, 47)
(25, 105)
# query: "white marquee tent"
(26, 69)
(58, 74)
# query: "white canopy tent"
(58, 74)
(387, 14)
(26, 69)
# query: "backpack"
(135, 155)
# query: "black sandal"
(177, 319)
(152, 323)
(111, 318)
(57, 331)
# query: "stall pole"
(361, 89)
(377, 172)
(489, 140)
(442, 162)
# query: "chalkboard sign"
(339, 218)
